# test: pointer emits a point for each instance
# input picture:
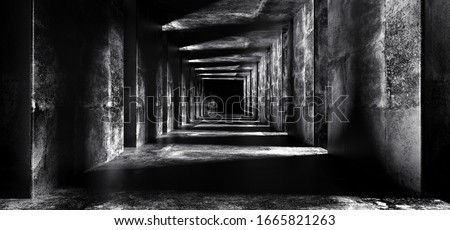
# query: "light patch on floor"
(150, 156)
(75, 199)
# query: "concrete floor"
(75, 199)
(212, 166)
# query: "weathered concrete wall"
(262, 86)
(301, 126)
(77, 88)
(268, 69)
(173, 84)
(286, 105)
(375, 60)
(320, 71)
(15, 94)
(276, 81)
(191, 94)
(130, 75)
(248, 94)
(254, 91)
(151, 66)
(436, 98)
(184, 85)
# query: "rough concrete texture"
(254, 91)
(173, 80)
(275, 68)
(106, 81)
(164, 162)
(301, 127)
(262, 88)
(185, 74)
(151, 70)
(77, 82)
(130, 74)
(15, 103)
(181, 154)
(365, 64)
(236, 12)
(320, 71)
(436, 97)
(76, 199)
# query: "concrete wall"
(275, 62)
(77, 88)
(301, 125)
(254, 91)
(262, 87)
(173, 86)
(320, 71)
(436, 98)
(15, 71)
(375, 60)
(151, 70)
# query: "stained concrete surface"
(374, 50)
(76, 199)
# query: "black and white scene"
(225, 105)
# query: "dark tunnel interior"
(225, 98)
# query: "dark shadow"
(232, 140)
(318, 175)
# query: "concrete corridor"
(225, 104)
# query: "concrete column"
(276, 83)
(320, 71)
(254, 91)
(192, 96)
(262, 86)
(287, 76)
(164, 87)
(130, 75)
(302, 124)
(376, 61)
(150, 52)
(78, 81)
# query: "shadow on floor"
(231, 140)
(312, 175)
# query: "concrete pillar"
(164, 87)
(320, 71)
(301, 124)
(376, 61)
(254, 91)
(150, 53)
(287, 75)
(262, 86)
(191, 91)
(78, 81)
(130, 75)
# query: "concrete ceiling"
(225, 36)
